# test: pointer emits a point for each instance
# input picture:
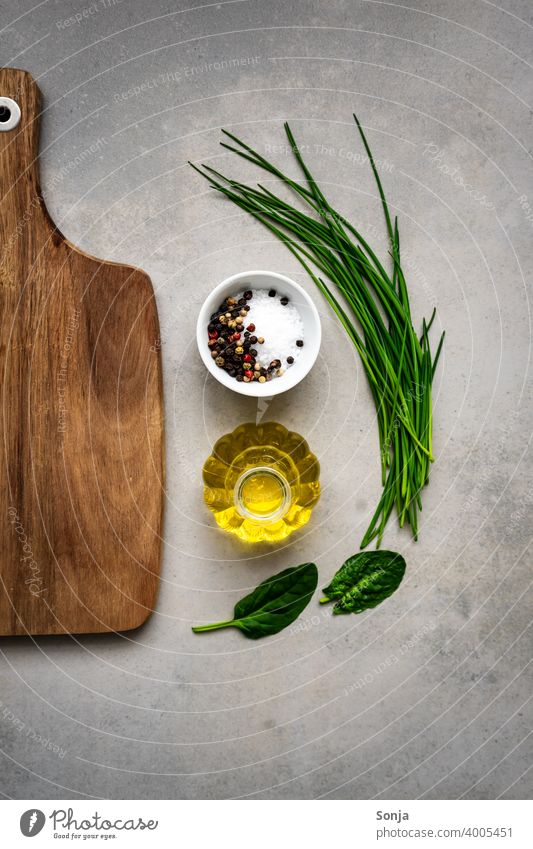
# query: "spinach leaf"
(273, 605)
(365, 580)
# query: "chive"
(376, 317)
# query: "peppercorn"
(257, 367)
(253, 340)
(253, 352)
(284, 301)
(262, 378)
(251, 327)
(280, 371)
(275, 364)
(214, 354)
(212, 343)
(239, 349)
(246, 379)
(247, 358)
(247, 308)
(241, 302)
(219, 361)
(211, 327)
(261, 340)
(243, 312)
(213, 334)
(223, 319)
(231, 302)
(248, 373)
(246, 332)
(240, 378)
(271, 293)
(300, 343)
(290, 360)
(269, 377)
(248, 294)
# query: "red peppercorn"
(236, 336)
(213, 334)
(251, 328)
(247, 358)
(249, 373)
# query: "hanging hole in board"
(9, 114)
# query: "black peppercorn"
(300, 343)
(253, 340)
(247, 308)
(272, 293)
(248, 294)
(290, 360)
(253, 352)
(284, 301)
(241, 302)
(240, 378)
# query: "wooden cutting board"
(81, 414)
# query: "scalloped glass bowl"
(261, 482)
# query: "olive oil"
(261, 482)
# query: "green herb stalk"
(376, 316)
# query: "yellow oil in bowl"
(261, 482)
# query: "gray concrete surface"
(426, 696)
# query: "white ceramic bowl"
(298, 297)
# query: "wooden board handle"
(21, 201)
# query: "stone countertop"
(423, 696)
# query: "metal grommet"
(9, 114)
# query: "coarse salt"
(280, 326)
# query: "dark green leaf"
(364, 581)
(273, 605)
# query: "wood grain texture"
(81, 424)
